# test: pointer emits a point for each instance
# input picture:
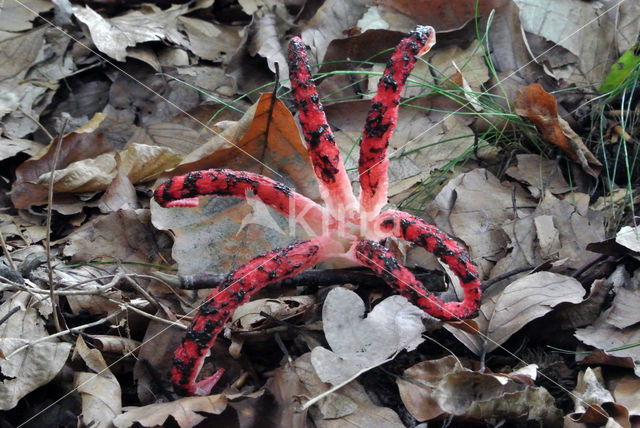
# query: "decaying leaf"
(629, 237)
(99, 238)
(618, 326)
(32, 367)
(359, 343)
(521, 302)
(478, 197)
(539, 174)
(268, 133)
(447, 386)
(113, 36)
(350, 406)
(139, 162)
(99, 389)
(594, 403)
(540, 107)
(187, 412)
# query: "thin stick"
(70, 330)
(5, 250)
(56, 156)
(35, 120)
(333, 389)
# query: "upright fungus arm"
(335, 187)
(382, 119)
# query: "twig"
(433, 280)
(5, 250)
(505, 275)
(68, 331)
(333, 389)
(150, 316)
(56, 156)
(35, 120)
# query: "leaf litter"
(526, 225)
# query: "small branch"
(68, 331)
(5, 250)
(37, 122)
(333, 389)
(150, 316)
(433, 280)
(56, 157)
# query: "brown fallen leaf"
(350, 406)
(187, 412)
(432, 388)
(522, 301)
(83, 143)
(594, 403)
(99, 389)
(539, 174)
(358, 343)
(540, 107)
(233, 231)
(34, 366)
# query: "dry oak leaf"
(522, 301)
(540, 107)
(187, 412)
(99, 388)
(33, 367)
(432, 388)
(359, 343)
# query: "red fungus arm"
(410, 228)
(382, 261)
(335, 187)
(183, 191)
(382, 119)
(236, 290)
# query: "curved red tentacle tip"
(186, 202)
(430, 34)
(205, 386)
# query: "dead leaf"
(17, 54)
(81, 144)
(185, 411)
(479, 198)
(539, 174)
(100, 390)
(572, 26)
(629, 237)
(249, 316)
(328, 23)
(140, 163)
(272, 137)
(113, 36)
(266, 43)
(17, 16)
(360, 343)
(432, 388)
(540, 107)
(100, 239)
(210, 41)
(594, 404)
(521, 302)
(13, 146)
(33, 367)
(352, 397)
(627, 393)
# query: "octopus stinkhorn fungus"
(347, 228)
